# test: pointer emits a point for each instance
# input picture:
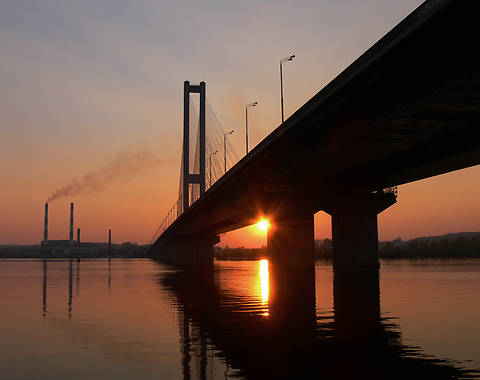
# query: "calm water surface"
(137, 319)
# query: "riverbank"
(124, 250)
(455, 245)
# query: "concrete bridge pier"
(290, 237)
(187, 252)
(355, 228)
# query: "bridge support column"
(354, 228)
(290, 237)
(188, 252)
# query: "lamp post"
(246, 124)
(290, 58)
(211, 154)
(225, 148)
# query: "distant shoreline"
(454, 246)
(448, 246)
(101, 251)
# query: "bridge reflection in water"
(285, 337)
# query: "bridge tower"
(192, 178)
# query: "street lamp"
(225, 148)
(246, 124)
(290, 58)
(211, 154)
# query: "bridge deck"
(407, 109)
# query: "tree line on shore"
(456, 245)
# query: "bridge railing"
(173, 213)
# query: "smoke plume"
(123, 166)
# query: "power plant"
(70, 247)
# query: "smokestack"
(71, 223)
(109, 241)
(78, 235)
(45, 228)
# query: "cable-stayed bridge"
(207, 150)
(407, 109)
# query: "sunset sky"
(86, 82)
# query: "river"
(138, 319)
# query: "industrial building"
(71, 247)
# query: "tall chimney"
(71, 223)
(109, 241)
(78, 235)
(45, 228)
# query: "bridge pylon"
(193, 178)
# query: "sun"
(263, 224)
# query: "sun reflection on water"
(263, 274)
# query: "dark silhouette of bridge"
(407, 109)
